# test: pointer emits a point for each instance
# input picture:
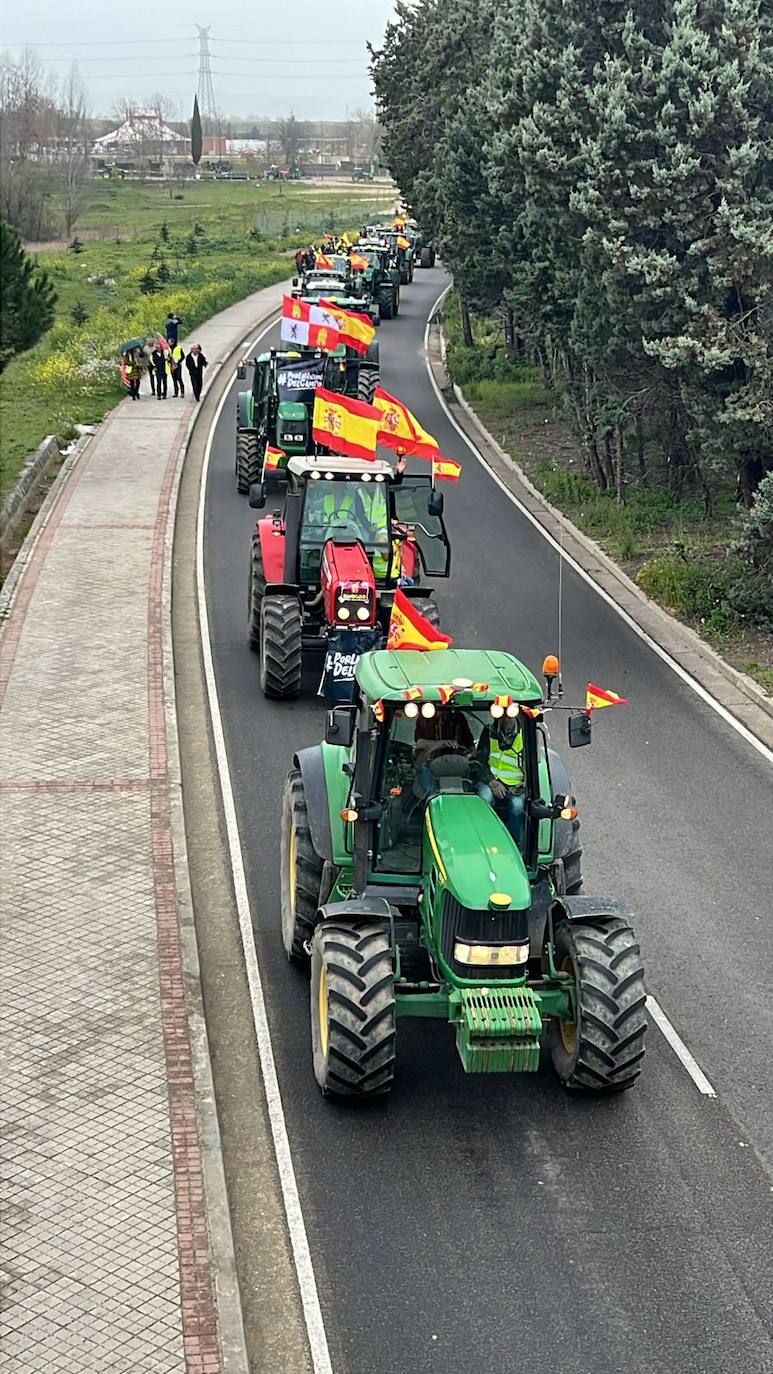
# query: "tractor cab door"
(409, 507)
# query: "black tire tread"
(308, 873)
(256, 587)
(367, 381)
(281, 646)
(612, 991)
(427, 606)
(361, 1008)
(249, 460)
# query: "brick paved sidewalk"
(105, 1247)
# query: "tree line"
(601, 174)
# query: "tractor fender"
(312, 770)
(244, 410)
(282, 589)
(272, 548)
(361, 911)
(590, 909)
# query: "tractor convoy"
(431, 862)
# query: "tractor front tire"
(603, 1050)
(386, 305)
(353, 1018)
(256, 586)
(367, 381)
(427, 606)
(248, 461)
(281, 646)
(301, 872)
(427, 258)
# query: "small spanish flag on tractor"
(323, 262)
(273, 457)
(344, 425)
(358, 263)
(412, 693)
(400, 430)
(596, 698)
(402, 241)
(446, 470)
(355, 330)
(409, 629)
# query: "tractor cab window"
(422, 757)
(347, 511)
(410, 509)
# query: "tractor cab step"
(498, 1029)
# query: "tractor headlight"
(490, 954)
(343, 613)
(363, 613)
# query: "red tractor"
(323, 569)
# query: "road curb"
(736, 692)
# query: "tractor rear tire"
(427, 606)
(256, 586)
(301, 872)
(248, 461)
(353, 1018)
(602, 1053)
(367, 381)
(426, 258)
(281, 646)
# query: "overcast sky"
(267, 57)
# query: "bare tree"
(73, 147)
(367, 136)
(291, 134)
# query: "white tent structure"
(143, 135)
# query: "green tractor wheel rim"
(323, 1026)
(292, 865)
(569, 1029)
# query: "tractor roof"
(385, 674)
(282, 356)
(339, 465)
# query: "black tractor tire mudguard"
(590, 909)
(359, 911)
(242, 399)
(312, 771)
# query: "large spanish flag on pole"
(356, 330)
(409, 629)
(308, 325)
(401, 430)
(344, 425)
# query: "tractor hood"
(475, 853)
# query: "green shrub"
(690, 588)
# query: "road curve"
(494, 1223)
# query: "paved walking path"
(116, 1239)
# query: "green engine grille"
(499, 1030)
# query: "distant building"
(143, 137)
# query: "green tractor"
(412, 898)
(276, 412)
(379, 282)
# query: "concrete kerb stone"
(32, 472)
(743, 697)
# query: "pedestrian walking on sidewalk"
(133, 373)
(158, 358)
(150, 344)
(172, 322)
(176, 357)
(195, 363)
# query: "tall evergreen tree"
(27, 298)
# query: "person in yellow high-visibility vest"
(500, 770)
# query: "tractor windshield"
(422, 756)
(344, 510)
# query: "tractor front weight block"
(498, 1029)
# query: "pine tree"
(27, 297)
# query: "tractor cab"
(380, 280)
(412, 878)
(319, 282)
(328, 562)
(276, 412)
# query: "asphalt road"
(497, 1224)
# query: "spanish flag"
(596, 698)
(408, 629)
(323, 261)
(401, 430)
(402, 241)
(273, 457)
(355, 330)
(445, 470)
(344, 425)
(358, 263)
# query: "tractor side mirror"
(579, 729)
(339, 726)
(241, 371)
(435, 502)
(257, 496)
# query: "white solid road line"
(307, 1284)
(680, 1049)
(656, 1011)
(675, 667)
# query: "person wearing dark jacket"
(158, 362)
(175, 359)
(172, 321)
(195, 363)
